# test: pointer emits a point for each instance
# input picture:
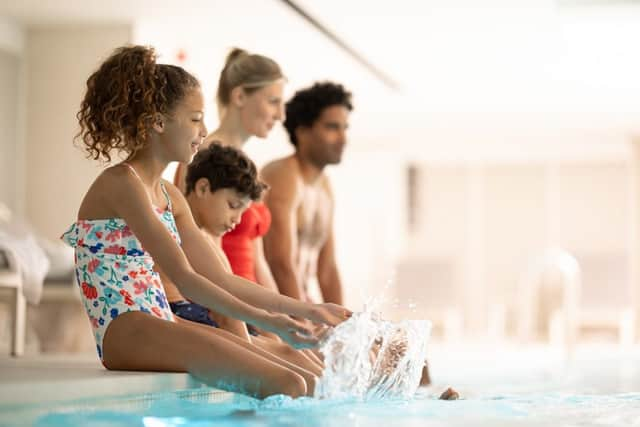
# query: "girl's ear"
(158, 123)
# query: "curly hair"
(306, 105)
(225, 167)
(123, 96)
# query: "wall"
(489, 221)
(9, 87)
(12, 41)
(59, 61)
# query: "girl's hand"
(328, 313)
(291, 331)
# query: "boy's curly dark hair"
(307, 104)
(122, 98)
(225, 167)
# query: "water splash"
(367, 357)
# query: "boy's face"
(219, 211)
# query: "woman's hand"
(294, 333)
(328, 313)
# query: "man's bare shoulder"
(279, 170)
(284, 179)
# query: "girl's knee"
(311, 381)
(289, 383)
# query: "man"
(300, 243)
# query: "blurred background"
(491, 181)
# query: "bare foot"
(449, 394)
(426, 378)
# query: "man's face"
(327, 137)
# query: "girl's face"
(219, 211)
(183, 131)
(260, 110)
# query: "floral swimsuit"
(114, 272)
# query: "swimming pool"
(500, 386)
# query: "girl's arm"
(129, 199)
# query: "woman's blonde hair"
(249, 71)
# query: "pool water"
(503, 387)
(527, 410)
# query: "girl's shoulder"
(114, 175)
(97, 202)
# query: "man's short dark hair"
(306, 105)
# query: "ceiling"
(461, 68)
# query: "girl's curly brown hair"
(123, 97)
(225, 167)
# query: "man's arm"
(281, 241)
(328, 276)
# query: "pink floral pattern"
(114, 272)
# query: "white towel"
(25, 256)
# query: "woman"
(250, 103)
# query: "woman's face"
(184, 129)
(262, 109)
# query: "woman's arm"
(263, 272)
(179, 179)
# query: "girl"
(131, 219)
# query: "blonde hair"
(249, 71)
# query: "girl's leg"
(138, 341)
(288, 353)
(235, 326)
(284, 355)
(312, 356)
